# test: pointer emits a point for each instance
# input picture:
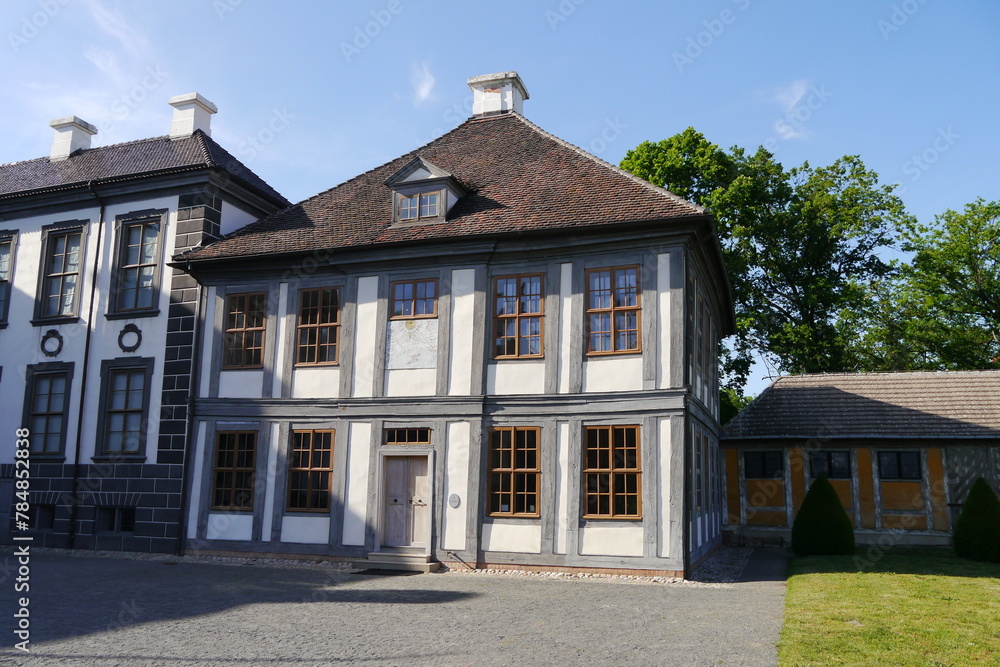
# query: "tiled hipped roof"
(957, 404)
(127, 160)
(519, 178)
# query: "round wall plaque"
(454, 501)
(52, 343)
(130, 338)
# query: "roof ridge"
(884, 373)
(604, 163)
(89, 150)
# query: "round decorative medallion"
(454, 501)
(130, 338)
(52, 343)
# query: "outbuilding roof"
(125, 161)
(911, 405)
(518, 178)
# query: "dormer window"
(423, 193)
(423, 205)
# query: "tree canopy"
(802, 245)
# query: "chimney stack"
(72, 134)
(495, 94)
(191, 112)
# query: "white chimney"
(72, 134)
(498, 93)
(191, 112)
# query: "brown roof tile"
(128, 160)
(957, 404)
(519, 178)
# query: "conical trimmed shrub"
(977, 531)
(822, 527)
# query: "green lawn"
(902, 607)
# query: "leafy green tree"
(954, 280)
(801, 245)
(730, 404)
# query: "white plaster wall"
(234, 217)
(566, 325)
(663, 321)
(195, 500)
(663, 491)
(412, 344)
(463, 300)
(515, 377)
(456, 482)
(356, 502)
(414, 382)
(365, 331)
(611, 541)
(269, 481)
(230, 526)
(612, 373)
(241, 384)
(516, 538)
(278, 379)
(319, 382)
(562, 489)
(305, 529)
(21, 340)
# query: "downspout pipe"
(76, 496)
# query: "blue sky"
(310, 93)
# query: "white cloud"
(423, 82)
(790, 96)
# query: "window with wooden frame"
(901, 466)
(612, 473)
(136, 276)
(310, 471)
(763, 464)
(6, 271)
(46, 409)
(519, 306)
(832, 465)
(124, 405)
(407, 436)
(246, 320)
(418, 206)
(514, 471)
(61, 265)
(318, 327)
(234, 470)
(413, 299)
(613, 310)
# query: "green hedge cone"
(977, 531)
(822, 527)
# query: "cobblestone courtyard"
(112, 611)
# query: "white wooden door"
(407, 496)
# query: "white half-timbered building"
(495, 349)
(96, 332)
